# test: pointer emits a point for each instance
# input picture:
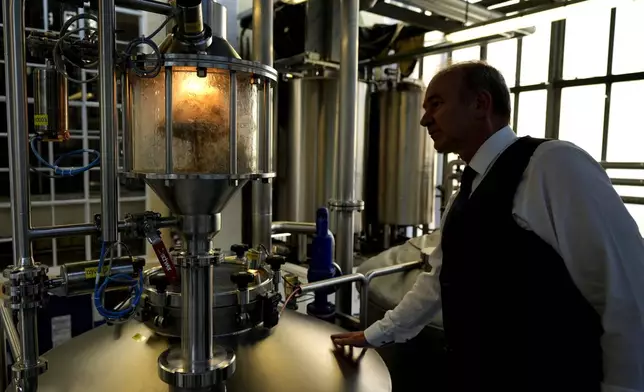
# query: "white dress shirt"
(566, 198)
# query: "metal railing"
(364, 281)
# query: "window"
(535, 53)
(636, 210)
(502, 55)
(584, 32)
(511, 109)
(629, 30)
(466, 54)
(532, 114)
(431, 66)
(581, 118)
(625, 130)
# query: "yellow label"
(252, 255)
(41, 120)
(90, 273)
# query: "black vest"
(514, 320)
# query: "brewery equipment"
(196, 124)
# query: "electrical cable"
(143, 40)
(290, 297)
(99, 290)
(65, 172)
(59, 50)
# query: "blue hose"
(99, 290)
(69, 172)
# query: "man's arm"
(417, 308)
(568, 200)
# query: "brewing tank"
(405, 156)
(307, 159)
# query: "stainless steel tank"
(308, 160)
(405, 172)
(295, 356)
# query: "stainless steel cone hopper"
(194, 141)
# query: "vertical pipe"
(126, 120)
(168, 120)
(17, 135)
(233, 123)
(108, 114)
(263, 192)
(346, 146)
(197, 328)
(294, 167)
(17, 138)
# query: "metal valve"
(243, 280)
(276, 262)
(240, 250)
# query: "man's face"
(448, 116)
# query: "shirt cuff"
(612, 388)
(376, 337)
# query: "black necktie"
(466, 183)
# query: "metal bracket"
(346, 205)
(21, 372)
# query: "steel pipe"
(302, 228)
(369, 276)
(146, 5)
(10, 332)
(126, 121)
(263, 192)
(347, 145)
(17, 135)
(197, 329)
(88, 229)
(233, 123)
(108, 120)
(323, 284)
(18, 140)
(169, 164)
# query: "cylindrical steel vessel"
(50, 104)
(296, 355)
(80, 278)
(405, 171)
(309, 157)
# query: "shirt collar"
(491, 149)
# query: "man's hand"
(352, 339)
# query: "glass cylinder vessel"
(213, 124)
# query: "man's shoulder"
(553, 153)
(562, 161)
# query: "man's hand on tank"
(352, 339)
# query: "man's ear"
(483, 102)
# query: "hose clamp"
(26, 287)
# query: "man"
(540, 270)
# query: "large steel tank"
(295, 356)
(404, 174)
(307, 158)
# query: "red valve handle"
(165, 260)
